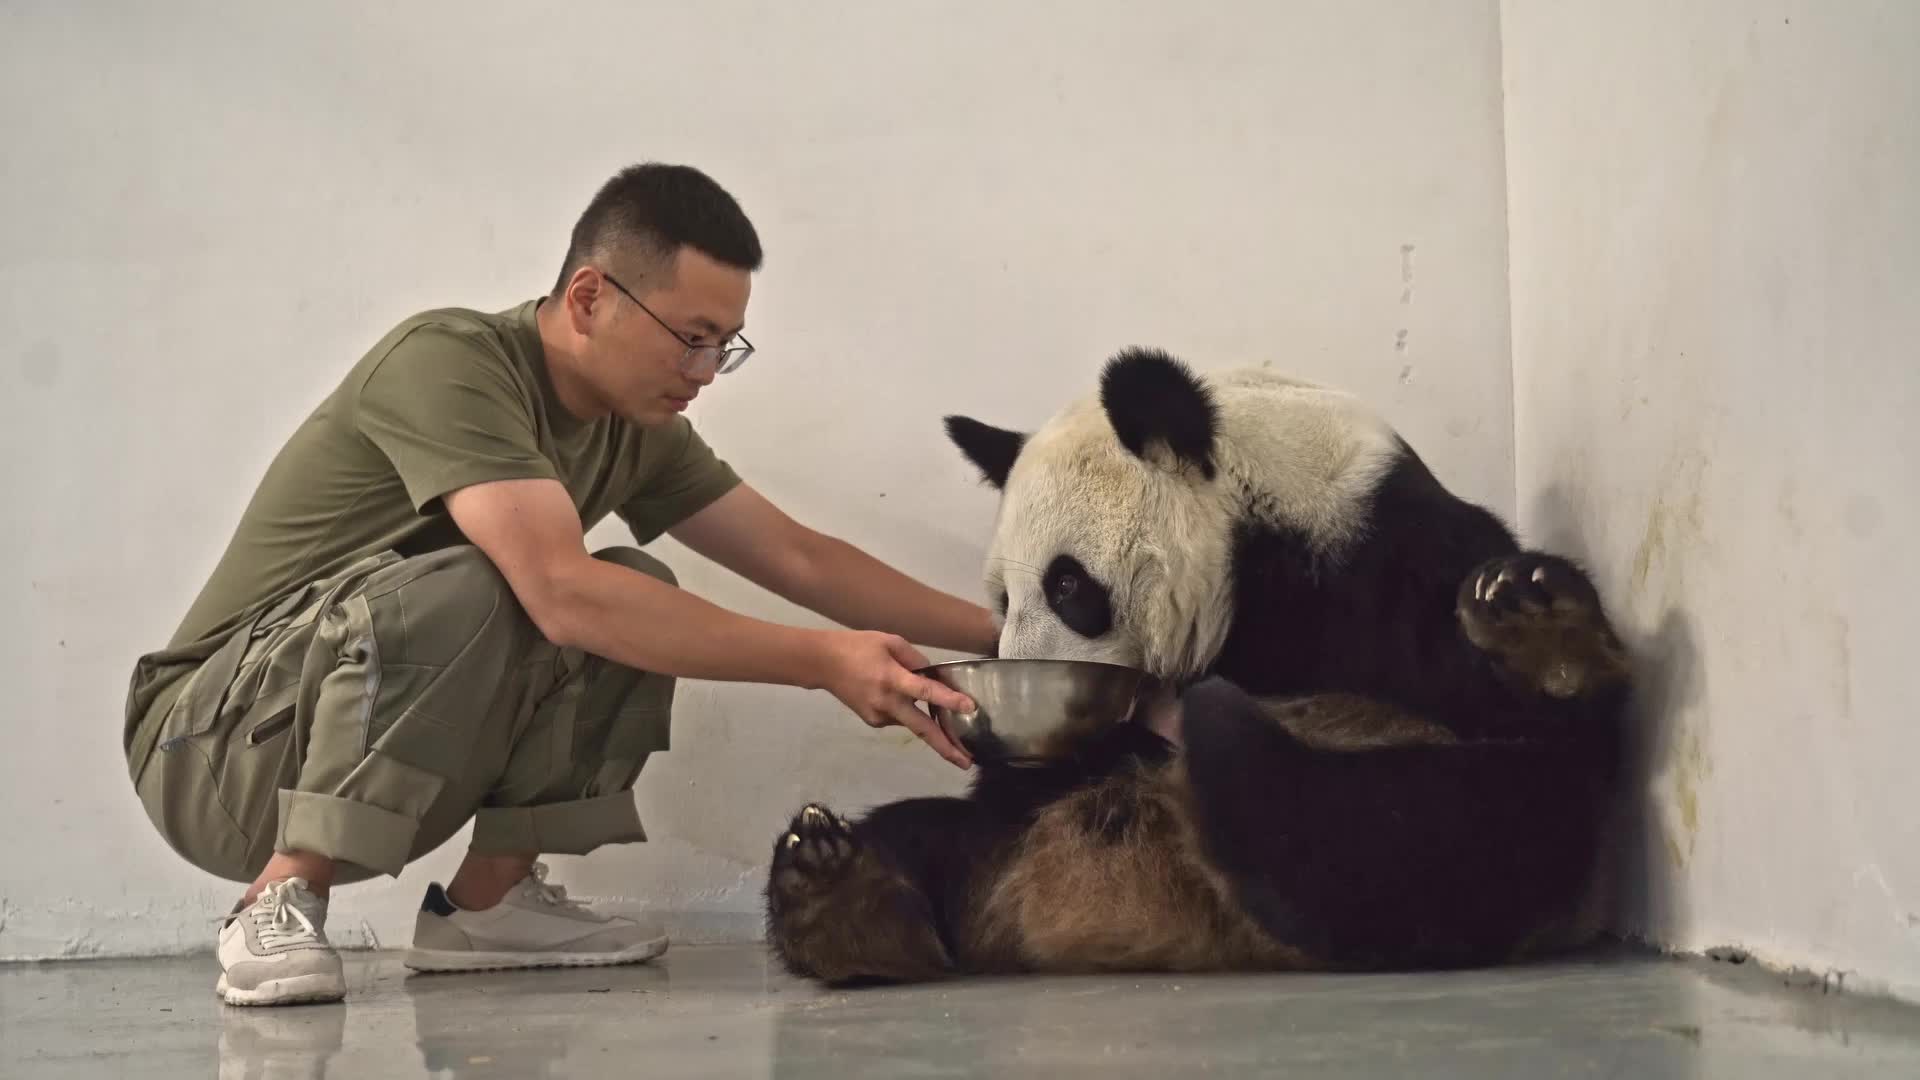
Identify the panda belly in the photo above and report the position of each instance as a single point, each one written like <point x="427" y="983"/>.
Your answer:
<point x="1112" y="878"/>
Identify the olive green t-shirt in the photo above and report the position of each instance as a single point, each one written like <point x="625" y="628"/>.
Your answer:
<point x="447" y="399"/>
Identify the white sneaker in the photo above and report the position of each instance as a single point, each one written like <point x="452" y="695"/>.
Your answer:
<point x="275" y="952"/>
<point x="533" y="926"/>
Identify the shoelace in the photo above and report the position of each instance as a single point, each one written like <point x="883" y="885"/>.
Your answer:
<point x="276" y="916"/>
<point x="554" y="895"/>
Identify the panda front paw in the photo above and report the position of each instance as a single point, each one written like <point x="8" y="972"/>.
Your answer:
<point x="1522" y="587"/>
<point x="814" y="853"/>
<point x="1539" y="617"/>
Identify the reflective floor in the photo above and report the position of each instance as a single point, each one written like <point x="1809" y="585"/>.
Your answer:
<point x="722" y="1011"/>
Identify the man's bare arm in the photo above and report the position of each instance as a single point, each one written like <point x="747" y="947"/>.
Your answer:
<point x="746" y="533"/>
<point x="531" y="531"/>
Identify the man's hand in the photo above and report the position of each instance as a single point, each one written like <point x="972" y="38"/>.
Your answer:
<point x="873" y="674"/>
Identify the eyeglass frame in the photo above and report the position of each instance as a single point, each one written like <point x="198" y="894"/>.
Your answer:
<point x="723" y="362"/>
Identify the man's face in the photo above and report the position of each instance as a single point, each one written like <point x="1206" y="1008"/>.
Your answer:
<point x="637" y="366"/>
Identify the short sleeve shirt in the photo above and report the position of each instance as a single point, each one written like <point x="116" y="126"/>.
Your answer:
<point x="447" y="399"/>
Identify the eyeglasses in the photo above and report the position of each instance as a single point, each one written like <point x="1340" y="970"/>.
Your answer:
<point x="725" y="358"/>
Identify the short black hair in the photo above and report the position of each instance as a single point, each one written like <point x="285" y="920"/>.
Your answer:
<point x="648" y="212"/>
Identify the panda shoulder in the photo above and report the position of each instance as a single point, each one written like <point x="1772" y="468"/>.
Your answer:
<point x="1261" y="396"/>
<point x="1257" y="379"/>
<point x="1273" y="424"/>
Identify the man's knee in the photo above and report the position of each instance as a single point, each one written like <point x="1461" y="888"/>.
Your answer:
<point x="468" y="565"/>
<point x="440" y="603"/>
<point x="635" y="559"/>
<point x="456" y="594"/>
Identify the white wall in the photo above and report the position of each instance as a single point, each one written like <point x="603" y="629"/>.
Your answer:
<point x="1715" y="217"/>
<point x="211" y="210"/>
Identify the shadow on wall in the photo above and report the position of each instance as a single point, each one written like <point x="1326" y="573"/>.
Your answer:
<point x="1665" y="756"/>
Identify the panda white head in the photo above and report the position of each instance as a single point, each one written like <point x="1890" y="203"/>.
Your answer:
<point x="1116" y="534"/>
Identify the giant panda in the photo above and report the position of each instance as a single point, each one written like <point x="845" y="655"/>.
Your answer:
<point x="1389" y="740"/>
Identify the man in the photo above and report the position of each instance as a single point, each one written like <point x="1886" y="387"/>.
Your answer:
<point x="406" y="631"/>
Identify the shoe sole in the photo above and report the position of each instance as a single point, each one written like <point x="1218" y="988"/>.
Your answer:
<point x="442" y="960"/>
<point x="298" y="990"/>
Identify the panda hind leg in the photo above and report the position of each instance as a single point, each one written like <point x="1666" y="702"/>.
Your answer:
<point x="1540" y="619"/>
<point x="1421" y="853"/>
<point x="839" y="910"/>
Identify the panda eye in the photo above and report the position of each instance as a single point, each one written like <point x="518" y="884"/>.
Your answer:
<point x="1076" y="598"/>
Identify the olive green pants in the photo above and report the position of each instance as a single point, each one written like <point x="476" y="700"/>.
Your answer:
<point x="370" y="716"/>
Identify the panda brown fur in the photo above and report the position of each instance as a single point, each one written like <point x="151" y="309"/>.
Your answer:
<point x="1394" y="733"/>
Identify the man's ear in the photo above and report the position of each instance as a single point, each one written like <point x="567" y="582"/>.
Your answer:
<point x="992" y="450"/>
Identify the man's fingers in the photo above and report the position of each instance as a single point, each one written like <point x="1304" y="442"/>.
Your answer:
<point x="920" y="688"/>
<point x="920" y="724"/>
<point x="904" y="652"/>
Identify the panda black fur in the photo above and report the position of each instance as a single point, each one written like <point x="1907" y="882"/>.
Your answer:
<point x="1394" y="739"/>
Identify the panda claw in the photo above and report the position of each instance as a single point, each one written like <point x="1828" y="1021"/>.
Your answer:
<point x="1540" y="615"/>
<point x="816" y="845"/>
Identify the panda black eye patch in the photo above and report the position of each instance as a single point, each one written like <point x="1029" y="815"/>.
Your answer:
<point x="1080" y="602"/>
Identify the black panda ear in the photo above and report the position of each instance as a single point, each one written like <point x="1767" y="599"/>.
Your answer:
<point x="1151" y="396"/>
<point x="992" y="450"/>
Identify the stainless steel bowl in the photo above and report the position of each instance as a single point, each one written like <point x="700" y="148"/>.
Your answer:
<point x="1032" y="711"/>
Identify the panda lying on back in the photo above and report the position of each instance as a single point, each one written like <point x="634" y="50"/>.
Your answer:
<point x="1393" y="747"/>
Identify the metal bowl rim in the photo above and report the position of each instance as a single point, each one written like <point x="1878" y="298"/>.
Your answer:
<point x="982" y="661"/>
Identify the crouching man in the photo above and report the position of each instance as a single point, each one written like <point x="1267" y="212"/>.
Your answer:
<point x="406" y="631"/>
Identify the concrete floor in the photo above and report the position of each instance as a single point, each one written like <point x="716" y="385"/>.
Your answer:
<point x="723" y="1011"/>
